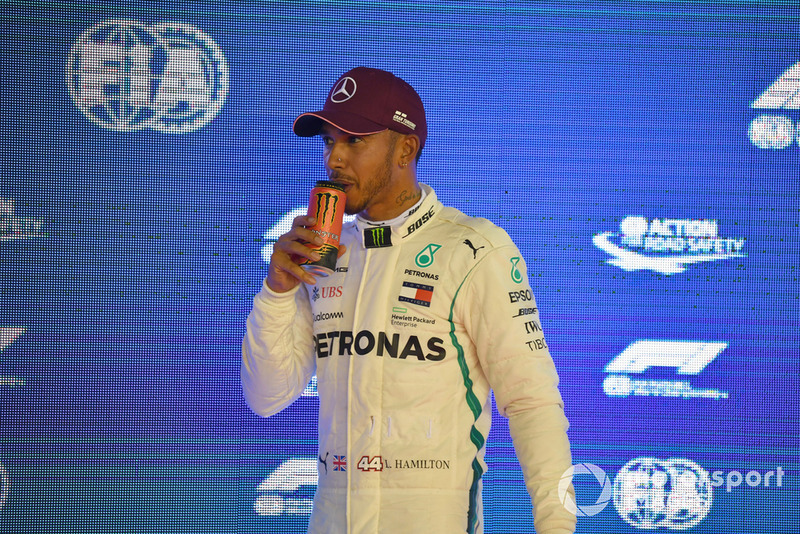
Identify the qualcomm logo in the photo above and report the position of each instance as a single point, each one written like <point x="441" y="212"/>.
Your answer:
<point x="666" y="246"/>
<point x="125" y="76"/>
<point x="13" y="227"/>
<point x="8" y="334"/>
<point x="277" y="489"/>
<point x="648" y="493"/>
<point x="686" y="357"/>
<point x="773" y="130"/>
<point x="281" y="227"/>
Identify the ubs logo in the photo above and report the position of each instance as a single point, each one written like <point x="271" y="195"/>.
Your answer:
<point x="326" y="292"/>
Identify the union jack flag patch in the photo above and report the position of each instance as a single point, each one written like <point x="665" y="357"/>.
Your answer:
<point x="339" y="463"/>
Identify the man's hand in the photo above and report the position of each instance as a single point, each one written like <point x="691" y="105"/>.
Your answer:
<point x="289" y="251"/>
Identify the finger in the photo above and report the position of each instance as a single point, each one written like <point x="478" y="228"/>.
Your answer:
<point x="296" y="250"/>
<point x="342" y="249"/>
<point x="284" y="266"/>
<point x="303" y="220"/>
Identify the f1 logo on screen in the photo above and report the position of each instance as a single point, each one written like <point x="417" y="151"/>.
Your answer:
<point x="276" y="489"/>
<point x="281" y="227"/>
<point x="686" y="357"/>
<point x="773" y="130"/>
<point x="126" y="76"/>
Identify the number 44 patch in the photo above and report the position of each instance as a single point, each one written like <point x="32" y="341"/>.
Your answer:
<point x="374" y="463"/>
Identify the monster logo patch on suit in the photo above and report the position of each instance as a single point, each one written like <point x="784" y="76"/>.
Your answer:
<point x="326" y="204"/>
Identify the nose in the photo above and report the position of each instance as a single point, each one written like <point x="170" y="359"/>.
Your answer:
<point x="335" y="157"/>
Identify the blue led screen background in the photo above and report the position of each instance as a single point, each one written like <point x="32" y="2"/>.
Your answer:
<point x="643" y="155"/>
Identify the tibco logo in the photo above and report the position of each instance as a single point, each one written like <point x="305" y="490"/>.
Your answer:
<point x="666" y="246"/>
<point x="777" y="131"/>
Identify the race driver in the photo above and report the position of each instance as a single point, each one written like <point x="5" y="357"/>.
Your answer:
<point x="427" y="312"/>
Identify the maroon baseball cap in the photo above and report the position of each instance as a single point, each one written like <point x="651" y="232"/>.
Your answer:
<point x="366" y="101"/>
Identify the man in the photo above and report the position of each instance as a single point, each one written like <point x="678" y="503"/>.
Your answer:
<point x="427" y="311"/>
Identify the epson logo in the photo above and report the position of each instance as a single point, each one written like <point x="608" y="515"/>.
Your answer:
<point x="520" y="296"/>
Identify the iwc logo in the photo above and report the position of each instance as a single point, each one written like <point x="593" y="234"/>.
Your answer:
<point x="126" y="76"/>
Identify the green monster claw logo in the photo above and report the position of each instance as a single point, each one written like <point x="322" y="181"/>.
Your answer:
<point x="516" y="276"/>
<point x="377" y="236"/>
<point x="425" y="256"/>
<point x="322" y="210"/>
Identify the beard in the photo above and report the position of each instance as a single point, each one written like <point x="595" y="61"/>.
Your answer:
<point x="361" y="195"/>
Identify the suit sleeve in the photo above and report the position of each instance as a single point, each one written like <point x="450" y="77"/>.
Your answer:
<point x="277" y="350"/>
<point x="502" y="319"/>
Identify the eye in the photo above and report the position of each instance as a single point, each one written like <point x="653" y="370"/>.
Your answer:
<point x="353" y="139"/>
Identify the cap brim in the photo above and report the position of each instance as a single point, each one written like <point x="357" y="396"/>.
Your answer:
<point x="309" y="124"/>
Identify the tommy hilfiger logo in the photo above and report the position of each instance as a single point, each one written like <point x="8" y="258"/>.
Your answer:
<point x="419" y="294"/>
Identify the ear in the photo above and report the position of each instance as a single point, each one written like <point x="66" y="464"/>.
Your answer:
<point x="409" y="146"/>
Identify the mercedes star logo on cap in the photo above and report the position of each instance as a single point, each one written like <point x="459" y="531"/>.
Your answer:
<point x="344" y="90"/>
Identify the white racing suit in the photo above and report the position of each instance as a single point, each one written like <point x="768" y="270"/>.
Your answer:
<point x="419" y="322"/>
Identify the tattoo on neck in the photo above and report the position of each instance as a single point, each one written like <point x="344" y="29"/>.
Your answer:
<point x="406" y="196"/>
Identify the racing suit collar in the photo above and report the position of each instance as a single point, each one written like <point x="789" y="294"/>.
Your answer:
<point x="407" y="224"/>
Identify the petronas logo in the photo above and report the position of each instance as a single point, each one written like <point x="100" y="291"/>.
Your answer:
<point x="516" y="276"/>
<point x="425" y="256"/>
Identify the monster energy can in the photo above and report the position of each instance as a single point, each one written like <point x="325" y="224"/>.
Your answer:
<point x="327" y="206"/>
